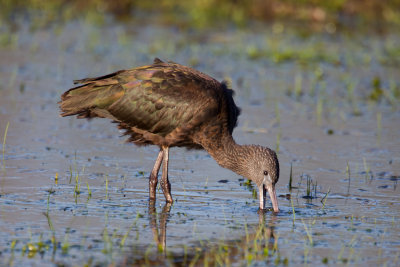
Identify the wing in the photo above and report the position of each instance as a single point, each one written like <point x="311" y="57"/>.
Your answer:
<point x="162" y="103"/>
<point x="166" y="103"/>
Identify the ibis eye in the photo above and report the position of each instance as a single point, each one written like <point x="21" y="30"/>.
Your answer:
<point x="265" y="173"/>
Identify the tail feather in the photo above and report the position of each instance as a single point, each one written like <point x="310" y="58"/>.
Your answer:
<point x="92" y="98"/>
<point x="86" y="80"/>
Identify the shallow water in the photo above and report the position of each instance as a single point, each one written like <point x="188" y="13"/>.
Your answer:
<point x="293" y="91"/>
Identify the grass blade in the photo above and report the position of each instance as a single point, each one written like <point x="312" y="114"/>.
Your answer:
<point x="4" y="144"/>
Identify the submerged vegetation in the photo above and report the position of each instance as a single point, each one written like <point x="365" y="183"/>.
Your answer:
<point x="4" y="146"/>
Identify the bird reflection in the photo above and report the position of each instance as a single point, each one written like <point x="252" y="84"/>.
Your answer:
<point x="265" y="231"/>
<point x="262" y="238"/>
<point x="159" y="231"/>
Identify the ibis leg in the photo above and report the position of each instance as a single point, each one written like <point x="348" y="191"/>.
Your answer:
<point x="153" y="176"/>
<point x="165" y="185"/>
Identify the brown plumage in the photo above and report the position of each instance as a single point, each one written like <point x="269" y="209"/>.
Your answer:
<point x="168" y="104"/>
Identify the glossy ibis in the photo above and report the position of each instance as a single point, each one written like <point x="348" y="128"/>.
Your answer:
<point x="168" y="104"/>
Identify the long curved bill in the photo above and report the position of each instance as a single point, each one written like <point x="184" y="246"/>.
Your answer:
<point x="272" y="195"/>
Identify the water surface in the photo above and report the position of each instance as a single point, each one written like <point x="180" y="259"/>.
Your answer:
<point x="72" y="192"/>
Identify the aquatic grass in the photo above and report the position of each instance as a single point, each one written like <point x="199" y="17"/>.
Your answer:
<point x="126" y="235"/>
<point x="377" y="91"/>
<point x="260" y="246"/>
<point x="253" y="52"/>
<point x="309" y="183"/>
<point x="106" y="186"/>
<point x="221" y="257"/>
<point x="391" y="54"/>
<point x="394" y="89"/>
<point x="293" y="211"/>
<point x="5" y="39"/>
<point x="308" y="232"/>
<point x="42" y="247"/>
<point x="367" y="170"/>
<point x="340" y="254"/>
<point x="310" y="187"/>
<point x="352" y="223"/>
<point x="195" y="259"/>
<point x="351" y="84"/>
<point x="65" y="246"/>
<point x="84" y="238"/>
<point x="89" y="191"/>
<point x="70" y="174"/>
<point x="108" y="242"/>
<point x="348" y="178"/>
<point x="318" y="76"/>
<point x="304" y="54"/>
<point x="350" y="247"/>
<point x="249" y="186"/>
<point x="74" y="172"/>
<point x="50" y="223"/>
<point x="290" y="177"/>
<point x="48" y="200"/>
<point x="32" y="247"/>
<point x="12" y="249"/>
<point x="254" y="194"/>
<point x="77" y="187"/>
<point x="319" y="110"/>
<point x="323" y="200"/>
<point x="4" y="146"/>
<point x="12" y="245"/>
<point x="185" y="254"/>
<point x="299" y="185"/>
<point x="298" y="86"/>
<point x="315" y="189"/>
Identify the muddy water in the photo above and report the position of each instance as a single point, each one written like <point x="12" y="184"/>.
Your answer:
<point x="346" y="145"/>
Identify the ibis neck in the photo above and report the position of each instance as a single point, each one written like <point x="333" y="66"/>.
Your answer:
<point x="228" y="154"/>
